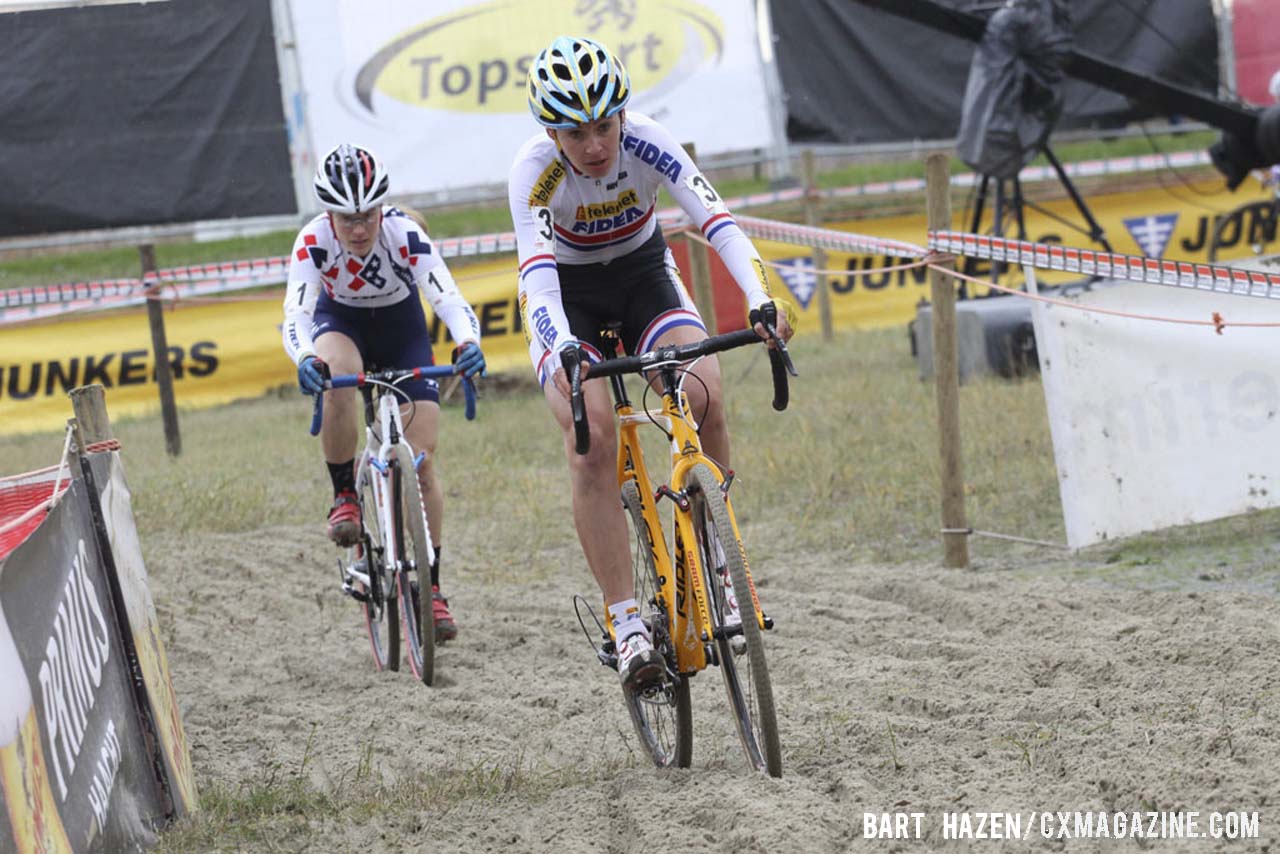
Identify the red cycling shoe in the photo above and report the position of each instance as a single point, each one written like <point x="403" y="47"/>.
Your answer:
<point x="446" y="627"/>
<point x="344" y="519"/>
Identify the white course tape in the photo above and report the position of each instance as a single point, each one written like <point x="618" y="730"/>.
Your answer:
<point x="1110" y="265"/>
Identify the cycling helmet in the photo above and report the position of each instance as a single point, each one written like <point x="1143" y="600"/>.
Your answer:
<point x="575" y="81"/>
<point x="350" y="180"/>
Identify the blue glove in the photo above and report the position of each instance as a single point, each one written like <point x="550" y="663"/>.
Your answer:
<point x="311" y="375"/>
<point x="468" y="360"/>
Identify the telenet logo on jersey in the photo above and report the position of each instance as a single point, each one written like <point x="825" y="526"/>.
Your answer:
<point x="475" y="59"/>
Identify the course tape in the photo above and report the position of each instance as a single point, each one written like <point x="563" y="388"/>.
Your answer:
<point x="1110" y="265"/>
<point x="200" y="280"/>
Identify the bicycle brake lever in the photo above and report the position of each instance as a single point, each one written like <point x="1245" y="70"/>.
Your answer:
<point x="782" y="348"/>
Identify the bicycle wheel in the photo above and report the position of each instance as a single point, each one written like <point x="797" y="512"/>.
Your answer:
<point x="381" y="611"/>
<point x="414" y="551"/>
<point x="746" y="673"/>
<point x="662" y="715"/>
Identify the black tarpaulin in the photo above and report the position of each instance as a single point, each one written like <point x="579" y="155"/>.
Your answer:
<point x="857" y="74"/>
<point x="125" y="115"/>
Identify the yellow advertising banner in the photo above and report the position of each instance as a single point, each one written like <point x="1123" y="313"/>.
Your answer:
<point x="220" y="350"/>
<point x="230" y="349"/>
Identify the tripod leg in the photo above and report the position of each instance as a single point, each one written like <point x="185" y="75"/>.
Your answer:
<point x="1096" y="234"/>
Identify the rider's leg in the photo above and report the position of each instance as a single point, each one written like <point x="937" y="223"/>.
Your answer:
<point x="602" y="530"/>
<point x="338" y="436"/>
<point x="706" y="398"/>
<point x="422" y="431"/>
<point x="597" y="510"/>
<point x="338" y="429"/>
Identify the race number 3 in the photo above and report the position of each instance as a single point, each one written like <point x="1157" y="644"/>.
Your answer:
<point x="706" y="194"/>
<point x="544" y="230"/>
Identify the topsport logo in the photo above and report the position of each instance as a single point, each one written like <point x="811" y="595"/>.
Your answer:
<point x="475" y="60"/>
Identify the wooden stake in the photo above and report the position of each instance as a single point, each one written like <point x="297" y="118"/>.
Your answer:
<point x="946" y="374"/>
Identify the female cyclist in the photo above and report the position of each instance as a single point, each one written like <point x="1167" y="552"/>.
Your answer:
<point x="583" y="194"/>
<point x="353" y="302"/>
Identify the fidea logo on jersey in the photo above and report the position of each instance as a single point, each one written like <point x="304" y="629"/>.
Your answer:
<point x="476" y="59"/>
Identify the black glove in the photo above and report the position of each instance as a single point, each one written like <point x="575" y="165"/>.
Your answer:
<point x="767" y="314"/>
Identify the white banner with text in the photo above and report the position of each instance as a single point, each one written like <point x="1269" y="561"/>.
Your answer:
<point x="437" y="87"/>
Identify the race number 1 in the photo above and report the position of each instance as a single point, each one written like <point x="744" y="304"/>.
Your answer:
<point x="544" y="233"/>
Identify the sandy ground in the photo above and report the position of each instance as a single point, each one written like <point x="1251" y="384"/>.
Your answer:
<point x="907" y="688"/>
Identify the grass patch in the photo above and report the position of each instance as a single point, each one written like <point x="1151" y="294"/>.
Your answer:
<point x="851" y="467"/>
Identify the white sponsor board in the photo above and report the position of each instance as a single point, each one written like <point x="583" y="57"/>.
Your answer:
<point x="1157" y="424"/>
<point x="437" y="87"/>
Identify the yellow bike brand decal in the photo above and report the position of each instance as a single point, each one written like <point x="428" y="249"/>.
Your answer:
<point x="475" y="59"/>
<point x="545" y="188"/>
<point x="608" y="210"/>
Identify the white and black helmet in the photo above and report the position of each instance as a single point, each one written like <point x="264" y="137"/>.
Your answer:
<point x="350" y="180"/>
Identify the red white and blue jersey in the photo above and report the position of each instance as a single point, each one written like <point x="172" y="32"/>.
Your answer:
<point x="401" y="261"/>
<point x="563" y="216"/>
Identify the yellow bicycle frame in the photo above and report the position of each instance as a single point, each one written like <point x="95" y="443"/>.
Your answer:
<point x="681" y="592"/>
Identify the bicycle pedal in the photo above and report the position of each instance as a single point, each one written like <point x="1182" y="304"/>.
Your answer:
<point x="608" y="655"/>
<point x="358" y="595"/>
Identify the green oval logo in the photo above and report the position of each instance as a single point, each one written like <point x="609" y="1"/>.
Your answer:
<point x="476" y="60"/>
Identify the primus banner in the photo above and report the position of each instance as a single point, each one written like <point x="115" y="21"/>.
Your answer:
<point x="438" y="89"/>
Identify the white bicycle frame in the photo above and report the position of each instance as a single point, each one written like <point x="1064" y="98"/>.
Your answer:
<point x="375" y="458"/>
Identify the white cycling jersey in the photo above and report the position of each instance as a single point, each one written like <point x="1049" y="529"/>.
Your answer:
<point x="563" y="216"/>
<point x="401" y="258"/>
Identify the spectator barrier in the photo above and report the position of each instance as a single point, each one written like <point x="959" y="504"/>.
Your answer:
<point x="93" y="757"/>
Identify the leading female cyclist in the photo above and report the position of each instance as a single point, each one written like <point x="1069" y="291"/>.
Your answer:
<point x="583" y="194"/>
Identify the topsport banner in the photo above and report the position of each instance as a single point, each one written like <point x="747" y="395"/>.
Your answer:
<point x="437" y="87"/>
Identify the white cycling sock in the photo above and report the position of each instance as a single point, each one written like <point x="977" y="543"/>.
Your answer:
<point x="624" y="617"/>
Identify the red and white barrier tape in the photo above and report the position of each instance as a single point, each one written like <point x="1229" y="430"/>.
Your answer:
<point x="1110" y="265"/>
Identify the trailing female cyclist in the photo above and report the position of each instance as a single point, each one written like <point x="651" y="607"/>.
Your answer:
<point x="352" y="302"/>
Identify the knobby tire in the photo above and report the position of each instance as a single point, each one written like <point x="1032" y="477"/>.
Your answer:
<point x="415" y="563"/>
<point x="381" y="611"/>
<point x="752" y="700"/>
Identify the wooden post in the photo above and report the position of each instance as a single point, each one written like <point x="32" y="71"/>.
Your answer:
<point x="946" y="374"/>
<point x="160" y="352"/>
<point x="813" y="217"/>
<point x="89" y="402"/>
<point x="700" y="268"/>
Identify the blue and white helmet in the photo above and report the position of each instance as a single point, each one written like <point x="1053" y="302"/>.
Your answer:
<point x="575" y="81"/>
<point x="350" y="180"/>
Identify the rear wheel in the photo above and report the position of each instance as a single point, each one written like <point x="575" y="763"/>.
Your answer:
<point x="369" y="557"/>
<point x="414" y="550"/>
<point x="662" y="715"/>
<point x="745" y="671"/>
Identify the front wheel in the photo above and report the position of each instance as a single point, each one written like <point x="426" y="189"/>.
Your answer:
<point x="739" y="642"/>
<point x="369" y="559"/>
<point x="413" y="551"/>
<point x="662" y="715"/>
